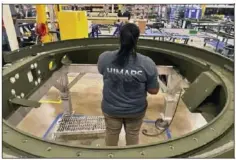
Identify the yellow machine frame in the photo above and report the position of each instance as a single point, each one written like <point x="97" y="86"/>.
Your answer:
<point x="42" y="18"/>
<point x="73" y="24"/>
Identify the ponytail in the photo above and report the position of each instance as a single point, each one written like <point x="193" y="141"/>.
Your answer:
<point x="128" y="41"/>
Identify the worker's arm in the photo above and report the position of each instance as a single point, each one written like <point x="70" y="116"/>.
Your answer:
<point x="101" y="62"/>
<point x="153" y="90"/>
<point x="152" y="84"/>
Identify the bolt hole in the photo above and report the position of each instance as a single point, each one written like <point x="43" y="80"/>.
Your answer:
<point x="49" y="149"/>
<point x="195" y="139"/>
<point x="110" y="155"/>
<point x="24" y="141"/>
<point x="171" y="147"/>
<point x="142" y="153"/>
<point x="78" y="154"/>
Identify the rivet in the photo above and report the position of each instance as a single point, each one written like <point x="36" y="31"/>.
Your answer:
<point x="49" y="149"/>
<point x="24" y="141"/>
<point x="142" y="153"/>
<point x="30" y="47"/>
<point x="13" y="92"/>
<point x="110" y="155"/>
<point x="17" y="76"/>
<point x="42" y="45"/>
<point x="171" y="147"/>
<point x="39" y="72"/>
<point x="98" y="145"/>
<point x="78" y="154"/>
<point x="18" y="50"/>
<point x="35" y="65"/>
<point x="18" y="97"/>
<point x="22" y="95"/>
<point x="32" y="66"/>
<point x="36" y="83"/>
<point x="206" y="90"/>
<point x="39" y="80"/>
<point x="195" y="139"/>
<point x="212" y="129"/>
<point x="12" y="80"/>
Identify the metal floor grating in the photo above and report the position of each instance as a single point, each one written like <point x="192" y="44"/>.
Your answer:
<point x="80" y="125"/>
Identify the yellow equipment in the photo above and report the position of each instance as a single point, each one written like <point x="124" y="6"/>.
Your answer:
<point x="73" y="24"/>
<point x="42" y="18"/>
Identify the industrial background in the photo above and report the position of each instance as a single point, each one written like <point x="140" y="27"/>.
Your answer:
<point x="52" y="91"/>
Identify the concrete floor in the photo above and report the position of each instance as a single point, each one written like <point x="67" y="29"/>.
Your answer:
<point x="86" y="99"/>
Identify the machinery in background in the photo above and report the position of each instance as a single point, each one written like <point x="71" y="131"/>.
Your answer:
<point x="220" y="10"/>
<point x="40" y="31"/>
<point x="78" y="27"/>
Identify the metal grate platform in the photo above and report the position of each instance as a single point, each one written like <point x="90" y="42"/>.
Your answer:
<point x="80" y="125"/>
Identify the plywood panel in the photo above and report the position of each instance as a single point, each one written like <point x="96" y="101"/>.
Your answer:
<point x="86" y="99"/>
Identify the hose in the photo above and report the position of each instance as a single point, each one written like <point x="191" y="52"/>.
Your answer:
<point x="145" y="132"/>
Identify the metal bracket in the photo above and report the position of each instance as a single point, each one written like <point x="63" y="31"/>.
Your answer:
<point x="58" y="86"/>
<point x="200" y="89"/>
<point x="65" y="94"/>
<point x="25" y="102"/>
<point x="75" y="80"/>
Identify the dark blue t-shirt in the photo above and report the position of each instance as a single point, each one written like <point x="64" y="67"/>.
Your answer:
<point x="125" y="89"/>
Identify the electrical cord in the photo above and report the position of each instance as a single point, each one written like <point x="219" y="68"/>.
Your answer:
<point x="145" y="132"/>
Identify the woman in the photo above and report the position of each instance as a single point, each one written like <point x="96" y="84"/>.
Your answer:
<point x="127" y="77"/>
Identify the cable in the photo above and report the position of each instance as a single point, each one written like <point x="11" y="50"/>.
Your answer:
<point x="145" y="132"/>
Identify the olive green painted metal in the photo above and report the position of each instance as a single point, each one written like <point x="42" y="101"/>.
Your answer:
<point x="25" y="102"/>
<point x="202" y="87"/>
<point x="190" y="62"/>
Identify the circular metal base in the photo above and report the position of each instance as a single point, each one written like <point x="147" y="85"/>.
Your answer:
<point x="190" y="61"/>
<point x="161" y="124"/>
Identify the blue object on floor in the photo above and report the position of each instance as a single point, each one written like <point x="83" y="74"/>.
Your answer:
<point x="168" y="133"/>
<point x="51" y="126"/>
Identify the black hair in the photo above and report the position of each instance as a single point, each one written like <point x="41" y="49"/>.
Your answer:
<point x="129" y="34"/>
